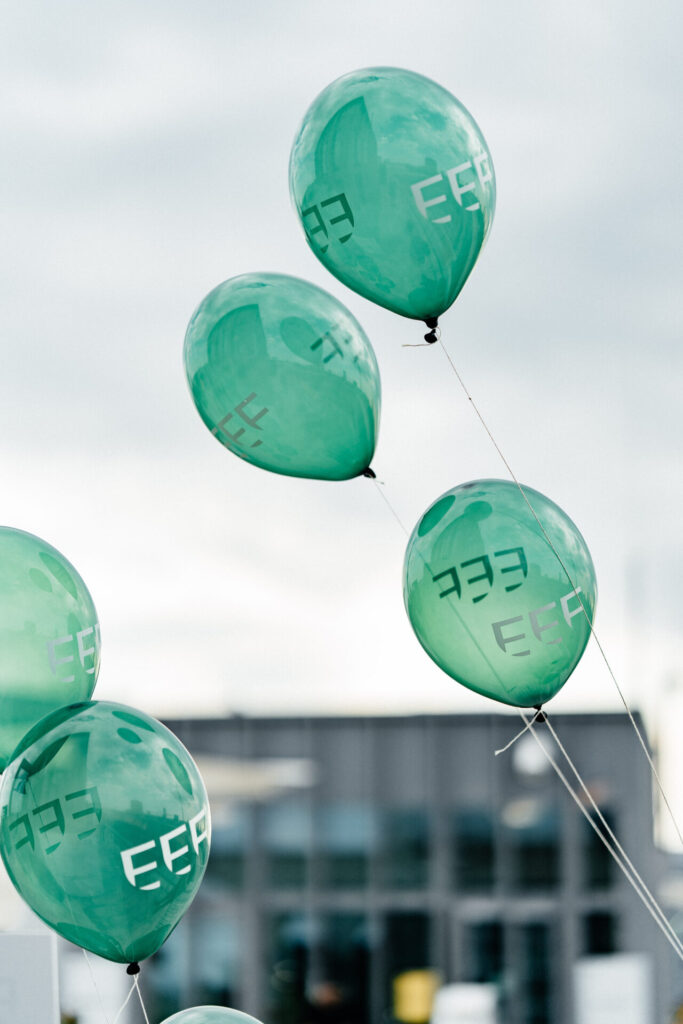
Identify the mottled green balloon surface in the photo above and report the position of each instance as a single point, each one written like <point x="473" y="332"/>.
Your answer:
<point x="284" y="376"/>
<point x="210" y="1015"/>
<point x="105" y="827"/>
<point x="394" y="186"/>
<point x="488" y="597"/>
<point x="49" y="635"/>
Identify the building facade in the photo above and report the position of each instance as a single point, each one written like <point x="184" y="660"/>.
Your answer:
<point x="359" y="863"/>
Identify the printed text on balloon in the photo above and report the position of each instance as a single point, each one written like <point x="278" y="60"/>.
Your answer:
<point x="169" y="853"/>
<point x="458" y="188"/>
<point x="77" y="640"/>
<point x="70" y="811"/>
<point x="487" y="574"/>
<point x="346" y="215"/>
<point x="537" y="628"/>
<point x="251" y="421"/>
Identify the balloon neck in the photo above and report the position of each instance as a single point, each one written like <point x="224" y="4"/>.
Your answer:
<point x="539" y="716"/>
<point x="369" y="473"/>
<point x="133" y="968"/>
<point x="432" y="323"/>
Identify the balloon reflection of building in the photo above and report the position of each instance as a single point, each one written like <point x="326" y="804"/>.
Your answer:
<point x="358" y="863"/>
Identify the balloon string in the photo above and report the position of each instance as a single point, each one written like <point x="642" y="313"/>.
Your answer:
<point x="638" y="732"/>
<point x="379" y="486"/>
<point x="94" y="983"/>
<point x="127" y="1000"/>
<point x="137" y="987"/>
<point x="610" y="832"/>
<point x="514" y="739"/>
<point x="631" y="875"/>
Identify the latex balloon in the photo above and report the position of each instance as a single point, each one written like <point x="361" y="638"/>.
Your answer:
<point x="488" y="597"/>
<point x="395" y="188"/>
<point x="284" y="377"/>
<point x="49" y="635"/>
<point x="105" y="827"/>
<point x="210" y="1015"/>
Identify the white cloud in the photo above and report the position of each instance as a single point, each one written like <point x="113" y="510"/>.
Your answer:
<point x="147" y="160"/>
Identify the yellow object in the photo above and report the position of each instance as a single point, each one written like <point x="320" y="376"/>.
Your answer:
<point x="414" y="993"/>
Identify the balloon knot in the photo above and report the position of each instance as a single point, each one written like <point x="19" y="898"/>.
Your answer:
<point x="133" y="968"/>
<point x="369" y="473"/>
<point x="540" y="715"/>
<point x="433" y="335"/>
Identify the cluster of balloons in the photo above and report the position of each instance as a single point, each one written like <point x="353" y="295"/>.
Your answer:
<point x="105" y="823"/>
<point x="395" y="189"/>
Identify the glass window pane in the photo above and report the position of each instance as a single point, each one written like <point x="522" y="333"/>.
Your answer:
<point x="409" y="982"/>
<point x="533" y="843"/>
<point x="405" y="848"/>
<point x="598" y="864"/>
<point x="341" y="993"/>
<point x="484" y="951"/>
<point x="286" y="831"/>
<point x="599" y="933"/>
<point x="228" y="843"/>
<point x="346" y="836"/>
<point x="536" y="973"/>
<point x="288" y="957"/>
<point x="473" y="863"/>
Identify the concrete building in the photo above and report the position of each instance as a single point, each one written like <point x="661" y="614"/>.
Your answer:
<point x="360" y="863"/>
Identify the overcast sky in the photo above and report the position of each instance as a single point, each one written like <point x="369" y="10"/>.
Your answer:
<point x="145" y="151"/>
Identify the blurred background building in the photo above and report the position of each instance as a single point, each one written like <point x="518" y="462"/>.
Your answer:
<point x="359" y="865"/>
<point x="376" y="870"/>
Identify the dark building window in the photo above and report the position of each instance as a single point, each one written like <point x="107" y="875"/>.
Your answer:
<point x="405" y="848"/>
<point x="473" y="863"/>
<point x="598" y="864"/>
<point x="533" y="842"/>
<point x="484" y="950"/>
<point x="342" y="991"/>
<point x="286" y="831"/>
<point x="289" y="951"/>
<point x="406" y="949"/>
<point x="599" y="933"/>
<point x="346" y="837"/>
<point x="536" y="976"/>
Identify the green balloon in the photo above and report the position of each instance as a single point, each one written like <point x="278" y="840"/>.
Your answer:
<point x="105" y="827"/>
<point x="49" y="635"/>
<point x="488" y="597"/>
<point x="395" y="188"/>
<point x="210" y="1015"/>
<point x="284" y="377"/>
